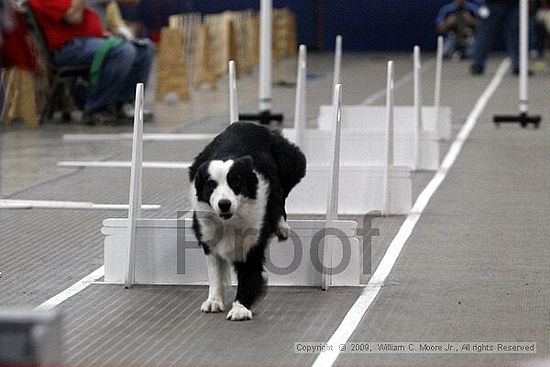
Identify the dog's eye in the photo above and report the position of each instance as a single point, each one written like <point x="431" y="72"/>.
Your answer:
<point x="211" y="184"/>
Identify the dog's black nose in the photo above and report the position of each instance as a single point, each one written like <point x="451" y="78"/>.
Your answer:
<point x="224" y="205"/>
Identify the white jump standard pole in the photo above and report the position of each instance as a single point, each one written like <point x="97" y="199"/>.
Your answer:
<point x="233" y="100"/>
<point x="134" y="211"/>
<point x="264" y="99"/>
<point x="523" y="118"/>
<point x="300" y="104"/>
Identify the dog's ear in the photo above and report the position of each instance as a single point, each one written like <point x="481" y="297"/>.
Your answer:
<point x="197" y="172"/>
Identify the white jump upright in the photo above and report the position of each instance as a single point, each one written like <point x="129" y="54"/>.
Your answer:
<point x="264" y="82"/>
<point x="333" y="183"/>
<point x="300" y="102"/>
<point x="233" y="98"/>
<point x="389" y="139"/>
<point x="136" y="175"/>
<point x="336" y="75"/>
<point x="438" y="71"/>
<point x="418" y="128"/>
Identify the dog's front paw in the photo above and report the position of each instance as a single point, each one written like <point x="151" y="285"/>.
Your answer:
<point x="283" y="230"/>
<point x="212" y="305"/>
<point x="239" y="313"/>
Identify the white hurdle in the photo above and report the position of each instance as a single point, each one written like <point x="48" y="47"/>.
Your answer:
<point x="164" y="251"/>
<point x="436" y="119"/>
<point x="414" y="146"/>
<point x="362" y="177"/>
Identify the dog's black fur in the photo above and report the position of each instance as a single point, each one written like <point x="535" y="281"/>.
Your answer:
<point x="253" y="148"/>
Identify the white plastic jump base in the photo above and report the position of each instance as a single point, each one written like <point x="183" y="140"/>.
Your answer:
<point x="366" y="148"/>
<point x="372" y="118"/>
<point x="162" y="258"/>
<point x="360" y="190"/>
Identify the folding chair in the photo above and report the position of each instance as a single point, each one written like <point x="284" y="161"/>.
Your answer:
<point x="61" y="78"/>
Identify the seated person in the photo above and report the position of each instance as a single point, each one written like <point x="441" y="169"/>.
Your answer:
<point x="457" y="22"/>
<point x="75" y="36"/>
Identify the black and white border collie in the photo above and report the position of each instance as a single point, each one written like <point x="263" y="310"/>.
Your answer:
<point x="239" y="184"/>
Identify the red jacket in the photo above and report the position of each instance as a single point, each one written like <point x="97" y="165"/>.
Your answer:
<point x="50" y="13"/>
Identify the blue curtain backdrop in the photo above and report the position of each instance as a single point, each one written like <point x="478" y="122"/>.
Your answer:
<point x="366" y="25"/>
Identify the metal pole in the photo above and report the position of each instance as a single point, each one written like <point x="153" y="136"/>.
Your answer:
<point x="523" y="55"/>
<point x="266" y="10"/>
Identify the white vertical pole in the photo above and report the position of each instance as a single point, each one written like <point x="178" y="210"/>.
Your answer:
<point x="417" y="104"/>
<point x="300" y="103"/>
<point x="438" y="71"/>
<point x="266" y="10"/>
<point x="337" y="63"/>
<point x="233" y="98"/>
<point x="523" y="55"/>
<point x="334" y="178"/>
<point x="389" y="139"/>
<point x="134" y="210"/>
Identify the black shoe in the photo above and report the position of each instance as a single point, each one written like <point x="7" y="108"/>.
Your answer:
<point x="476" y="69"/>
<point x="529" y="72"/>
<point x="98" y="117"/>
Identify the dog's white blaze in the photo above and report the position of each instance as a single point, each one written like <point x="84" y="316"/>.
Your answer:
<point x="218" y="171"/>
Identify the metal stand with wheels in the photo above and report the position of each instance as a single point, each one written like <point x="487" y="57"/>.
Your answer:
<point x="523" y="118"/>
<point x="264" y="116"/>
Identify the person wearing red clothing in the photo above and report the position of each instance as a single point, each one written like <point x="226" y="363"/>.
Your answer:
<point x="75" y="36"/>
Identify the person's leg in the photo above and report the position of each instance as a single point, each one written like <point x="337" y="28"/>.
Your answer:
<point x="139" y="72"/>
<point x="485" y="36"/>
<point x="80" y="51"/>
<point x="511" y="32"/>
<point x="449" y="44"/>
<point x="112" y="81"/>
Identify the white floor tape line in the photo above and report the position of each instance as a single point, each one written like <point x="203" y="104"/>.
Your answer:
<point x="146" y="137"/>
<point x="125" y="164"/>
<point x="56" y="204"/>
<point x="362" y="304"/>
<point x="73" y="289"/>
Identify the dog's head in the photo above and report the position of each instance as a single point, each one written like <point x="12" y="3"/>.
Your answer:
<point x="225" y="185"/>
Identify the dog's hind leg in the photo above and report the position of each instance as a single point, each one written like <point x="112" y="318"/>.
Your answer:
<point x="283" y="230"/>
<point x="216" y="291"/>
